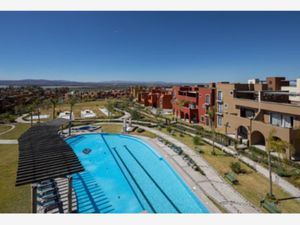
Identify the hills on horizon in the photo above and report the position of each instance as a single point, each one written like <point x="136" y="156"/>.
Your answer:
<point x="64" y="83"/>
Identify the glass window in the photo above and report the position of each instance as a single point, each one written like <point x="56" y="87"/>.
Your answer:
<point x="276" y="119"/>
<point x="207" y="99"/>
<point x="220" y="121"/>
<point x="220" y="108"/>
<point x="220" y="95"/>
<point x="287" y="121"/>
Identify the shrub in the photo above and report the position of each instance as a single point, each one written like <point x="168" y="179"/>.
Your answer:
<point x="140" y="130"/>
<point x="237" y="168"/>
<point x="196" y="140"/>
<point x="169" y="129"/>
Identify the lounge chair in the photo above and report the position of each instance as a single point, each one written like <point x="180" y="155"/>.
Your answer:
<point x="51" y="206"/>
<point x="51" y="195"/>
<point x="46" y="202"/>
<point x="49" y="192"/>
<point x="45" y="186"/>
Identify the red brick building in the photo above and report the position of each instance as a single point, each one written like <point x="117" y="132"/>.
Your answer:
<point x="191" y="103"/>
<point x="156" y="98"/>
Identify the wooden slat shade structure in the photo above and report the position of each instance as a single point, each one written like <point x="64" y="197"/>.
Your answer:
<point x="43" y="154"/>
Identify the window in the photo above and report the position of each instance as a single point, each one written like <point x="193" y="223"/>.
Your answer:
<point x="207" y="99"/>
<point x="220" y="96"/>
<point x="287" y="121"/>
<point x="276" y="119"/>
<point x="202" y="118"/>
<point x="280" y="120"/>
<point x="220" y="108"/>
<point x="226" y="106"/>
<point x="220" y="121"/>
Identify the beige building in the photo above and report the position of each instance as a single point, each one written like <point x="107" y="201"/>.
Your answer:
<point x="294" y="91"/>
<point x="249" y="111"/>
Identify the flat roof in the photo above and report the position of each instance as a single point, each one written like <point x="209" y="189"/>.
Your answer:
<point x="43" y="154"/>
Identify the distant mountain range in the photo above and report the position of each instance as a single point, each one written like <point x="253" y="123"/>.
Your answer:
<point x="65" y="83"/>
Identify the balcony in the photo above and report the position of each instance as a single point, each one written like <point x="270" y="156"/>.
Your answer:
<point x="220" y="100"/>
<point x="286" y="108"/>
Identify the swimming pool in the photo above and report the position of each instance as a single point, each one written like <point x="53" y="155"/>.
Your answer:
<point x="123" y="174"/>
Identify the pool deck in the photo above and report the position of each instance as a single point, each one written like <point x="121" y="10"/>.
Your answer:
<point x="186" y="173"/>
<point x="212" y="185"/>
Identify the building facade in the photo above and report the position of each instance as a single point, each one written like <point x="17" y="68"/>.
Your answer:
<point x="250" y="111"/>
<point x="192" y="103"/>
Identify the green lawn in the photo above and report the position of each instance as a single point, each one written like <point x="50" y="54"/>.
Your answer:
<point x="78" y="107"/>
<point x="252" y="185"/>
<point x="15" y="133"/>
<point x="117" y="128"/>
<point x="12" y="199"/>
<point x="111" y="128"/>
<point x="4" y="127"/>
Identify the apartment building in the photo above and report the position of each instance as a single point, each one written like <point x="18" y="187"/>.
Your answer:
<point x="192" y="103"/>
<point x="249" y="111"/>
<point x="294" y="91"/>
<point x="156" y="98"/>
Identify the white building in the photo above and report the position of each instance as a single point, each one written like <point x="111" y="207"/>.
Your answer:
<point x="66" y="115"/>
<point x="87" y="114"/>
<point x="293" y="90"/>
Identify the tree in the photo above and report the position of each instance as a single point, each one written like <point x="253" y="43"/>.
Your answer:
<point x="37" y="104"/>
<point x="274" y="144"/>
<point x="135" y="115"/>
<point x="196" y="140"/>
<point x="211" y="115"/>
<point x="54" y="102"/>
<point x="31" y="109"/>
<point x="110" y="107"/>
<point x="72" y="102"/>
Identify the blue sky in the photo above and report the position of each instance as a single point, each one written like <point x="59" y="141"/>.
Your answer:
<point x="149" y="46"/>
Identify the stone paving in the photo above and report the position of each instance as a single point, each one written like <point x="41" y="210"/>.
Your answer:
<point x="212" y="185"/>
<point x="8" y="142"/>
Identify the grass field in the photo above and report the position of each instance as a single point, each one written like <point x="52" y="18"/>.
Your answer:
<point x="15" y="133"/>
<point x="4" y="127"/>
<point x="252" y="185"/>
<point x="111" y="128"/>
<point x="78" y="107"/>
<point x="12" y="199"/>
<point x="117" y="128"/>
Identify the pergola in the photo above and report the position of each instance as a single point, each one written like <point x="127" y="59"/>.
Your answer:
<point x="43" y="155"/>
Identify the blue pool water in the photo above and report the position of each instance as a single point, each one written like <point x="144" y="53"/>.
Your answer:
<point x="125" y="175"/>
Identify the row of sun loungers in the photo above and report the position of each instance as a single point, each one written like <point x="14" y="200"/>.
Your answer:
<point x="179" y="151"/>
<point x="191" y="162"/>
<point x="52" y="196"/>
<point x="175" y="148"/>
<point x="48" y="197"/>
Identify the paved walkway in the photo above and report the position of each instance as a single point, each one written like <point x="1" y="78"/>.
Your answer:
<point x="8" y="142"/>
<point x="21" y="120"/>
<point x="10" y="129"/>
<point x="213" y="185"/>
<point x="190" y="176"/>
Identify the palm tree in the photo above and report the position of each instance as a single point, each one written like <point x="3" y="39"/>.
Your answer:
<point x="31" y="109"/>
<point x="37" y="105"/>
<point x="54" y="102"/>
<point x="72" y="102"/>
<point x="211" y="115"/>
<point x="279" y="146"/>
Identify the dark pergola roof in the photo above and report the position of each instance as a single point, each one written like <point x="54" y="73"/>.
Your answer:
<point x="43" y="154"/>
